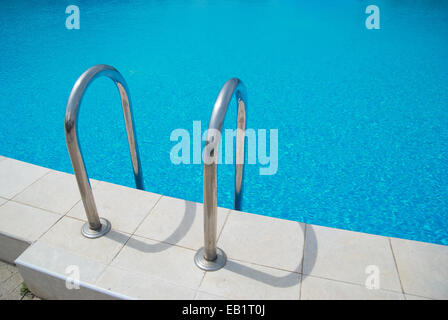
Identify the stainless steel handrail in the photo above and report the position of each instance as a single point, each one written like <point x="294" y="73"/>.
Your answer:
<point x="210" y="257"/>
<point x="96" y="227"/>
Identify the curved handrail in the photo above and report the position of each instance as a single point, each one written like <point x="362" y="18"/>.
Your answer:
<point x="210" y="257"/>
<point x="97" y="227"/>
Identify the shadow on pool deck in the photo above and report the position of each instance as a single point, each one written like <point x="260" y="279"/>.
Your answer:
<point x="179" y="233"/>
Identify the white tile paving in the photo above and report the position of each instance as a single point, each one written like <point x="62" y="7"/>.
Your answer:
<point x="60" y="261"/>
<point x="25" y="222"/>
<point x="57" y="192"/>
<point x="141" y="286"/>
<point x="263" y="240"/>
<point x="423" y="268"/>
<point x="17" y="175"/>
<point x="178" y="222"/>
<point x="124" y="207"/>
<point x="3" y="201"/>
<point x="411" y="297"/>
<point x="54" y="286"/>
<point x="324" y="289"/>
<point x="149" y="253"/>
<point x="345" y="256"/>
<point x="241" y="280"/>
<point x="207" y="296"/>
<point x="66" y="235"/>
<point x="162" y="260"/>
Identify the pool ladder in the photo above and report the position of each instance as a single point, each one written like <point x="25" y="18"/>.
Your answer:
<point x="209" y="257"/>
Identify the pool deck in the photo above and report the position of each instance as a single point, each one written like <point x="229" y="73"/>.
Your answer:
<point x="150" y="251"/>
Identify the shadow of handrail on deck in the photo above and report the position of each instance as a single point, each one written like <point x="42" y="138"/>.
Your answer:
<point x="289" y="280"/>
<point x="161" y="245"/>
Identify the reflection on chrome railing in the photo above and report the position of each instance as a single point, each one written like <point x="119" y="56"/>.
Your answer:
<point x="97" y="227"/>
<point x="210" y="257"/>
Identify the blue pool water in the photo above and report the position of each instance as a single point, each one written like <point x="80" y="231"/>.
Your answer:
<point x="362" y="115"/>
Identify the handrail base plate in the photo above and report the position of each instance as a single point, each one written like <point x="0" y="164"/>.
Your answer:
<point x="91" y="234"/>
<point x="207" y="265"/>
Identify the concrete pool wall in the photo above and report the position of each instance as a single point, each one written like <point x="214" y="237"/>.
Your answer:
<point x="149" y="252"/>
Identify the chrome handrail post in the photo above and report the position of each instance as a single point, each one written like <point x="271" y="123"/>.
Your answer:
<point x="210" y="257"/>
<point x="96" y="227"/>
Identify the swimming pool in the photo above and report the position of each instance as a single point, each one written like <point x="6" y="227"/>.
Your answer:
<point x="361" y="114"/>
